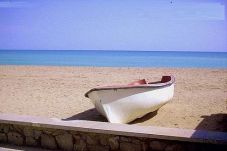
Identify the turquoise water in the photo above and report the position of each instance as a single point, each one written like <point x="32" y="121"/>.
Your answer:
<point x="114" y="58"/>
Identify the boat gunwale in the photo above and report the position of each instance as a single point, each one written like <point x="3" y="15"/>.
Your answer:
<point x="151" y="85"/>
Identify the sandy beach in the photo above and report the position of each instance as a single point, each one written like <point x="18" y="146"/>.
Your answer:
<point x="200" y="99"/>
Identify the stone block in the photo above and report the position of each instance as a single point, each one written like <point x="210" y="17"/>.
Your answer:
<point x="4" y="128"/>
<point x="59" y="132"/>
<point x="80" y="145"/>
<point x="126" y="146"/>
<point x="37" y="134"/>
<point x="92" y="140"/>
<point x="157" y="145"/>
<point x="97" y="148"/>
<point x="135" y="141"/>
<point x="84" y="135"/>
<point x="103" y="139"/>
<point x="174" y="147"/>
<point x="194" y="146"/>
<point x="15" y="138"/>
<point x="3" y="138"/>
<point x="28" y="131"/>
<point x="114" y="143"/>
<point x="11" y="128"/>
<point x="18" y="128"/>
<point x="30" y="141"/>
<point x="76" y="137"/>
<point x="144" y="146"/>
<point x="125" y="139"/>
<point x="48" y="141"/>
<point x="65" y="142"/>
<point x="73" y="132"/>
<point x="49" y="131"/>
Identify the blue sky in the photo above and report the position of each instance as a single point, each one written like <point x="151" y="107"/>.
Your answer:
<point x="170" y="25"/>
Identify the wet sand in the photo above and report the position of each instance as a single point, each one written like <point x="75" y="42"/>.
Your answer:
<point x="200" y="99"/>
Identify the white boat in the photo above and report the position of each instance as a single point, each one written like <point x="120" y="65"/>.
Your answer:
<point x="123" y="104"/>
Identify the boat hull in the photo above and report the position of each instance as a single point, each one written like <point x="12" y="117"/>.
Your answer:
<point x="126" y="105"/>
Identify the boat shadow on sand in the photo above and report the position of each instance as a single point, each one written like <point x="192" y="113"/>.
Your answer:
<point x="94" y="115"/>
<point x="90" y="115"/>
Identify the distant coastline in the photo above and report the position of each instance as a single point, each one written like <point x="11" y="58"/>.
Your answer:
<point x="125" y="50"/>
<point x="112" y="58"/>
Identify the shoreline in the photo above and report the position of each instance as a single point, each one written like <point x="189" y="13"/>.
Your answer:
<point x="199" y="101"/>
<point x="73" y="66"/>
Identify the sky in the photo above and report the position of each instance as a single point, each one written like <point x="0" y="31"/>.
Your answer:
<point x="155" y="25"/>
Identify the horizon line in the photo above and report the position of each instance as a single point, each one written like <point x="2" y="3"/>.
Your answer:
<point x="108" y="50"/>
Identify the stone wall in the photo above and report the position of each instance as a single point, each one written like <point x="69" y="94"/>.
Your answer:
<point x="52" y="138"/>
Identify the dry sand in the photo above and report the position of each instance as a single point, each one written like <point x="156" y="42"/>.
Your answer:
<point x="200" y="99"/>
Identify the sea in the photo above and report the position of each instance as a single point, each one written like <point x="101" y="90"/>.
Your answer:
<point x="109" y="58"/>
